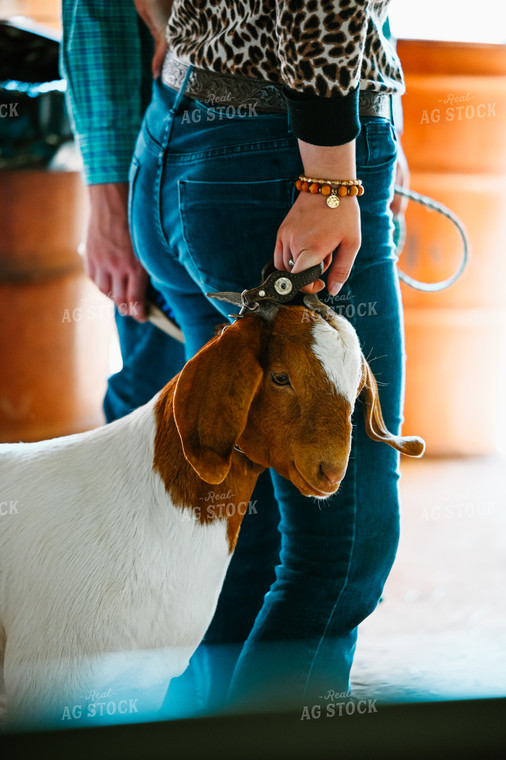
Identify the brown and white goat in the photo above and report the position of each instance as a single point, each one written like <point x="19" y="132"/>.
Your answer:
<point x="116" y="547"/>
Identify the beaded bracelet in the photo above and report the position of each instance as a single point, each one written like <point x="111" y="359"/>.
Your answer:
<point x="334" y="189"/>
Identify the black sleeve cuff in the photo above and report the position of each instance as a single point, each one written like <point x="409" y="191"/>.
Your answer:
<point x="323" y="121"/>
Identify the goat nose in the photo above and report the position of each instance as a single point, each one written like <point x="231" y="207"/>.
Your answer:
<point x="333" y="473"/>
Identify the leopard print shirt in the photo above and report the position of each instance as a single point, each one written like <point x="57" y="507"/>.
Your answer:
<point x="322" y="48"/>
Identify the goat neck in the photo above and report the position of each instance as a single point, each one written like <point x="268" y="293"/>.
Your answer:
<point x="228" y="500"/>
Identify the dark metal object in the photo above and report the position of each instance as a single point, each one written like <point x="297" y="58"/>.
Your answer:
<point x="277" y="287"/>
<point x="280" y="286"/>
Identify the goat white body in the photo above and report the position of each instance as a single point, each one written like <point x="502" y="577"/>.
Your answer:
<point x="95" y="559"/>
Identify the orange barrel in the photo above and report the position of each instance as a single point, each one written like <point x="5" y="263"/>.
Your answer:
<point x="455" y="144"/>
<point x="55" y="325"/>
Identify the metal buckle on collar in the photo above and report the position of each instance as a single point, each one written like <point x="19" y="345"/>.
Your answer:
<point x="278" y="286"/>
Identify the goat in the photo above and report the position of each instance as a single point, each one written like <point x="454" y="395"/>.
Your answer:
<point x="117" y="545"/>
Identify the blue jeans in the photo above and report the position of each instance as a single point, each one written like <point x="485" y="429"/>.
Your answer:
<point x="150" y="359"/>
<point x="208" y="194"/>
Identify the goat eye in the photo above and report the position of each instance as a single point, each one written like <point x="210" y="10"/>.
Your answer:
<point x="280" y="378"/>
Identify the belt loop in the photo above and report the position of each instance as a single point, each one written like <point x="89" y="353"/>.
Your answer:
<point x="182" y="89"/>
<point x="397" y="113"/>
<point x="172" y="112"/>
<point x="289" y="122"/>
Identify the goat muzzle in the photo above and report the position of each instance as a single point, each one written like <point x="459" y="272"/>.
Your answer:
<point x="334" y="474"/>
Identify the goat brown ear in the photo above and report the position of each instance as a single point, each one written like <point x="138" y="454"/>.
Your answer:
<point x="213" y="396"/>
<point x="375" y="427"/>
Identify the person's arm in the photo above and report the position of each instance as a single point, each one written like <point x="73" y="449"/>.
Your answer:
<point x="155" y="14"/>
<point x="103" y="59"/>
<point x="312" y="231"/>
<point x="322" y="89"/>
<point x="109" y="257"/>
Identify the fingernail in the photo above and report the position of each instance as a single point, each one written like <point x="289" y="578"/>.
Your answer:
<point x="336" y="287"/>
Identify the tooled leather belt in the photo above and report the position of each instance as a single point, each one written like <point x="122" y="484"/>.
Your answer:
<point x="227" y="90"/>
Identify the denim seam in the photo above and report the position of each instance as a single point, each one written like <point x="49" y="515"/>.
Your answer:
<point x="236" y="182"/>
<point x="369" y="166"/>
<point x="229" y="150"/>
<point x="343" y="587"/>
<point x="132" y="177"/>
<point x="376" y="169"/>
<point x="157" y="201"/>
<point x="167" y="129"/>
<point x="371" y="265"/>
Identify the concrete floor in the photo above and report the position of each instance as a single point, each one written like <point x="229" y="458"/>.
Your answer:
<point x="440" y="631"/>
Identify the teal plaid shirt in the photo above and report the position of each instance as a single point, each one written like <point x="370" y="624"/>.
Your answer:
<point x="105" y="57"/>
